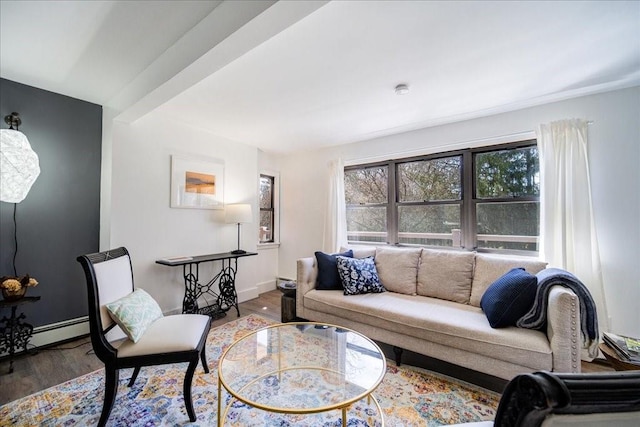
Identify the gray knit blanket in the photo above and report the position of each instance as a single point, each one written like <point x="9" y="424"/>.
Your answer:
<point x="536" y="318"/>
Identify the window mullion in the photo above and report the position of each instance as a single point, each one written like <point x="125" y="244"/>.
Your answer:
<point x="468" y="207"/>
<point x="392" y="206"/>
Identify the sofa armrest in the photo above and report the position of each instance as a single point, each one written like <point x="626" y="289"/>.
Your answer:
<point x="306" y="275"/>
<point x="563" y="329"/>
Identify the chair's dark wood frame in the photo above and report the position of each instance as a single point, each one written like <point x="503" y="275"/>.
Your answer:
<point x="529" y="398"/>
<point x="108" y="354"/>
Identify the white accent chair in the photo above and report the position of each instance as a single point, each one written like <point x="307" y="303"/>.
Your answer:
<point x="169" y="339"/>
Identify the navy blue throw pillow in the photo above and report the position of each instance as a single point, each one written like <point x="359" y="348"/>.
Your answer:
<point x="509" y="298"/>
<point x="328" y="277"/>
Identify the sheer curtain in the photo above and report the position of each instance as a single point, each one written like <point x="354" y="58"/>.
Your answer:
<point x="335" y="220"/>
<point x="567" y="230"/>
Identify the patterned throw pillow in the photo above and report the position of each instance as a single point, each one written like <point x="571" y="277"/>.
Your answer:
<point x="134" y="313"/>
<point x="359" y="275"/>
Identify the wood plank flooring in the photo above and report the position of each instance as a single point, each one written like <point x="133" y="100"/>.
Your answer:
<point x="60" y="363"/>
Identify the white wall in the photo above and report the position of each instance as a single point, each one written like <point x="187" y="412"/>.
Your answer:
<point x="614" y="144"/>
<point x="140" y="216"/>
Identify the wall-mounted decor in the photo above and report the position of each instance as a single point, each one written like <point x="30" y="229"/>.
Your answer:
<point x="197" y="183"/>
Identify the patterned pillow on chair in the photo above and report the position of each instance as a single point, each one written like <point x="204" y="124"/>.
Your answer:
<point x="134" y="313"/>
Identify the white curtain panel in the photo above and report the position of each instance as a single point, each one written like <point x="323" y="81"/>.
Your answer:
<point x="335" y="220"/>
<point x="567" y="230"/>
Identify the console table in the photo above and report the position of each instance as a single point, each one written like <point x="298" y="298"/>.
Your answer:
<point x="225" y="280"/>
<point x="14" y="333"/>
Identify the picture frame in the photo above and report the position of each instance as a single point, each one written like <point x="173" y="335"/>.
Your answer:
<point x="197" y="182"/>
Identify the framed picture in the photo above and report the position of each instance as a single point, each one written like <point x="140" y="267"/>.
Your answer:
<point x="197" y="183"/>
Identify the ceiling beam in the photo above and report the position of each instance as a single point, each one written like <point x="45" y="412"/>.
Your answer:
<point x="231" y="30"/>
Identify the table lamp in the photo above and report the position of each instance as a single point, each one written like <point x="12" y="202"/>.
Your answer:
<point x="237" y="214"/>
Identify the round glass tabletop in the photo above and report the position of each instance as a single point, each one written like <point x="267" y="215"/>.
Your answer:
<point x="302" y="368"/>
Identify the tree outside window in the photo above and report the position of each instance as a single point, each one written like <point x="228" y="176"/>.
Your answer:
<point x="267" y="212"/>
<point x="482" y="198"/>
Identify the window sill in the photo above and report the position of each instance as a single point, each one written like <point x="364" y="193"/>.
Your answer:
<point x="268" y="246"/>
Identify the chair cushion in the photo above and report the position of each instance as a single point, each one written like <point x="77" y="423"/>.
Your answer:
<point x="181" y="332"/>
<point x="328" y="277"/>
<point x="398" y="268"/>
<point x="359" y="276"/>
<point x="134" y="313"/>
<point x="509" y="298"/>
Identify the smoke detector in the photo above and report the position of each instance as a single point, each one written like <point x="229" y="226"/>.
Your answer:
<point x="402" y="89"/>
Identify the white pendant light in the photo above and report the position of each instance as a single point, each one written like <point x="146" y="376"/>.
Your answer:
<point x="19" y="164"/>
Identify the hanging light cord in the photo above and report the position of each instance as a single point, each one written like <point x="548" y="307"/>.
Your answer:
<point x="15" y="239"/>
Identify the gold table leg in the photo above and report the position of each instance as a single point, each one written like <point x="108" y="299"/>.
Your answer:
<point x="219" y="400"/>
<point x="344" y="417"/>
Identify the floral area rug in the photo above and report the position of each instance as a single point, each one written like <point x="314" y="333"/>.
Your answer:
<point x="408" y="397"/>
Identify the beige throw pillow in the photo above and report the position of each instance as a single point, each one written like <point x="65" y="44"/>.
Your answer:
<point x="446" y="274"/>
<point x="398" y="268"/>
<point x="490" y="268"/>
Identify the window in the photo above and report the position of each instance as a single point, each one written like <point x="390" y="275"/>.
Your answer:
<point x="267" y="211"/>
<point x="483" y="198"/>
<point x="507" y="199"/>
<point x="366" y="193"/>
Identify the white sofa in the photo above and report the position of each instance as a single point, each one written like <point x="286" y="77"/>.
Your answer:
<point x="432" y="307"/>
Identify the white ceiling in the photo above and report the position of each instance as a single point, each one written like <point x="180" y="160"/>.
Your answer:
<point x="293" y="75"/>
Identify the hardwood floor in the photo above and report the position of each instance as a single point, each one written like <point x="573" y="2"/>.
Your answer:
<point x="60" y="363"/>
<point x="54" y="365"/>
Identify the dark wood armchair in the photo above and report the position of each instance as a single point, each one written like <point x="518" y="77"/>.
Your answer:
<point x="579" y="399"/>
<point x="169" y="339"/>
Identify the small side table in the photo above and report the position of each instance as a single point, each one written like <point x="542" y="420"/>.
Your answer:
<point x="14" y="332"/>
<point x="288" y="301"/>
<point x="617" y="363"/>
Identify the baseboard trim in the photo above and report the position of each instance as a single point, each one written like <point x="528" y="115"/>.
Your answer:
<point x="248" y="294"/>
<point x="267" y="286"/>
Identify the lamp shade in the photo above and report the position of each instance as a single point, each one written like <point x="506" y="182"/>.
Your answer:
<point x="19" y="166"/>
<point x="235" y="214"/>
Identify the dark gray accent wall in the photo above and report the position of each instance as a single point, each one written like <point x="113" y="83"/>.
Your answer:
<point x="60" y="217"/>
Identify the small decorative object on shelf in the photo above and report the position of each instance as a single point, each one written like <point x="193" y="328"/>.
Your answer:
<point x="14" y="288"/>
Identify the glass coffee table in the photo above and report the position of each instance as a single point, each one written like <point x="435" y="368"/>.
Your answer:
<point x="301" y="368"/>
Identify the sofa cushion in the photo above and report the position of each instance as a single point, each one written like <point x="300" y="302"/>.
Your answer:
<point x="460" y="326"/>
<point x="360" y="251"/>
<point x="490" y="267"/>
<point x="509" y="298"/>
<point x="446" y="274"/>
<point x="398" y="268"/>
<point x="328" y="277"/>
<point x="359" y="275"/>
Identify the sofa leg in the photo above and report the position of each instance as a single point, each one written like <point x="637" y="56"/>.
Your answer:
<point x="398" y="352"/>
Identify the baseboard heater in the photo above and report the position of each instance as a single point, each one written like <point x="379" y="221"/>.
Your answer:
<point x="60" y="331"/>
